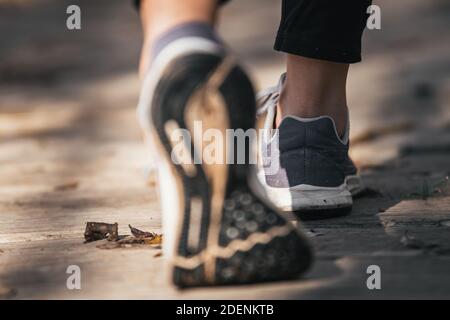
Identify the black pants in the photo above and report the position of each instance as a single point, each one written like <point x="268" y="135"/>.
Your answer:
<point x="322" y="29"/>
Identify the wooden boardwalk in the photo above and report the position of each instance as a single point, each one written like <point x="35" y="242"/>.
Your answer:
<point x="71" y="152"/>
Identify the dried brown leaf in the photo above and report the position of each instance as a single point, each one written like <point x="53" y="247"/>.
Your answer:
<point x="67" y="186"/>
<point x="100" y="230"/>
<point x="157" y="239"/>
<point x="141" y="234"/>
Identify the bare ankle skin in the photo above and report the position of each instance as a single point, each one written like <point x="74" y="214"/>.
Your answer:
<point x="314" y="88"/>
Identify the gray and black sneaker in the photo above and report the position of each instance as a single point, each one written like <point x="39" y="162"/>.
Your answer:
<point x="305" y="166"/>
<point x="217" y="230"/>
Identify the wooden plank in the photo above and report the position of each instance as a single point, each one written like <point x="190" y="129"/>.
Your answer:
<point x="82" y="129"/>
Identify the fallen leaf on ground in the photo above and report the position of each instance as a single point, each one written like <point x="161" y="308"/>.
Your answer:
<point x="154" y="239"/>
<point x="131" y="241"/>
<point x="157" y="239"/>
<point x="145" y="237"/>
<point x="141" y="234"/>
<point x="67" y="186"/>
<point x="100" y="230"/>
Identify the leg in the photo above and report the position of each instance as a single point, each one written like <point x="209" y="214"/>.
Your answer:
<point x="158" y="17"/>
<point x="314" y="88"/>
<point x="321" y="39"/>
<point x="217" y="230"/>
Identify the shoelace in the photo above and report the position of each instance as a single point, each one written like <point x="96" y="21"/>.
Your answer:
<point x="267" y="99"/>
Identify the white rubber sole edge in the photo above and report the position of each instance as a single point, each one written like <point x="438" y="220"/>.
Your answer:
<point x="307" y="197"/>
<point x="167" y="185"/>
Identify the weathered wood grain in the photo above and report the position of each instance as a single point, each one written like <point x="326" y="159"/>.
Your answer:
<point x="71" y="122"/>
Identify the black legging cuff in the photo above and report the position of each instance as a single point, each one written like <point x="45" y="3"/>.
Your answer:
<point x="309" y="49"/>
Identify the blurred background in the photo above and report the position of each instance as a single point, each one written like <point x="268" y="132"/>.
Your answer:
<point x="71" y="150"/>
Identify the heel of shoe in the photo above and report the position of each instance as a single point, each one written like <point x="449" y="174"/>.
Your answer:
<point x="233" y="245"/>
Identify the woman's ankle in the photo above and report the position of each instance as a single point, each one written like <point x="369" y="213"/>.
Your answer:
<point x="314" y="88"/>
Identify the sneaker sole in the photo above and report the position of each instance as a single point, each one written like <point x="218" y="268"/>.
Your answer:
<point x="316" y="202"/>
<point x="225" y="234"/>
